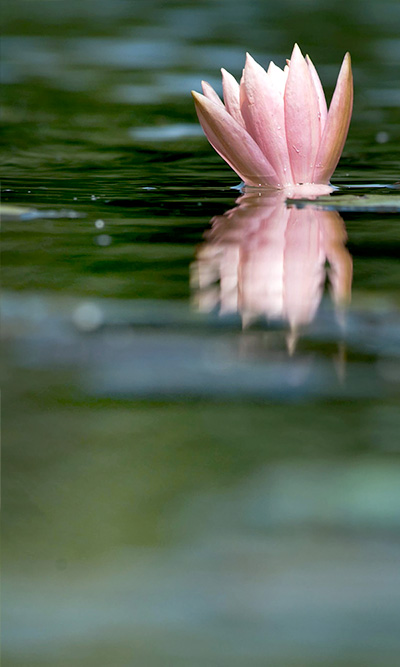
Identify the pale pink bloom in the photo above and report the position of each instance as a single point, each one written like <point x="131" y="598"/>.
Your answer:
<point x="274" y="128"/>
<point x="263" y="259"/>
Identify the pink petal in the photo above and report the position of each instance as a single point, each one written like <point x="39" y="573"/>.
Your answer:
<point x="233" y="143"/>
<point x="301" y="118"/>
<point x="323" y="111"/>
<point x="337" y="124"/>
<point x="231" y="96"/>
<point x="210" y="93"/>
<point x="263" y="113"/>
<point x="278" y="76"/>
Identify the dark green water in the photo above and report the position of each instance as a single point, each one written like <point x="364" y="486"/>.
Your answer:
<point x="185" y="484"/>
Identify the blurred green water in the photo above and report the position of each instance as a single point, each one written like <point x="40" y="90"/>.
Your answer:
<point x="177" y="490"/>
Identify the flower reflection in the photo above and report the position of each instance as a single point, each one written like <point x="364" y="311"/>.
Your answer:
<point x="263" y="259"/>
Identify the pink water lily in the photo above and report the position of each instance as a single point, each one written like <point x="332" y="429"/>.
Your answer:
<point x="274" y="129"/>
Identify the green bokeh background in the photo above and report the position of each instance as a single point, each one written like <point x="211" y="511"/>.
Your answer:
<point x="146" y="529"/>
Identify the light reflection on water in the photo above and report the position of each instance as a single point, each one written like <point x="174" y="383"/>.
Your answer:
<point x="264" y="259"/>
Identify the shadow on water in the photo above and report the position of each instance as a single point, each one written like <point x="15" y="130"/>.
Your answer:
<point x="201" y="461"/>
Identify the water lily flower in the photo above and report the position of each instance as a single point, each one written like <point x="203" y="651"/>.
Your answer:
<point x="274" y="129"/>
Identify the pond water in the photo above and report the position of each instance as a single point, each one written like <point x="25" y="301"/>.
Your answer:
<point x="201" y="461"/>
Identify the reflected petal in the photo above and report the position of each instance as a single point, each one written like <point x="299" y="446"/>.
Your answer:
<point x="263" y="259"/>
<point x="304" y="267"/>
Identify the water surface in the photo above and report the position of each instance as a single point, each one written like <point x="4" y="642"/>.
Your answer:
<point x="201" y="409"/>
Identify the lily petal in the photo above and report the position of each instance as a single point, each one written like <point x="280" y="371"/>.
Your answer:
<point x="230" y="88"/>
<point x="263" y="112"/>
<point x="234" y="143"/>
<point x="302" y="119"/>
<point x="323" y="110"/>
<point x="337" y="124"/>
<point x="278" y="76"/>
<point x="210" y="93"/>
